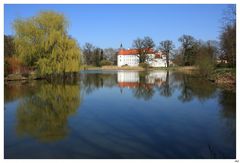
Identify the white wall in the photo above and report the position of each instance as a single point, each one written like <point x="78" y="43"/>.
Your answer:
<point x="130" y="60"/>
<point x="133" y="60"/>
<point x="159" y="63"/>
<point x="156" y="62"/>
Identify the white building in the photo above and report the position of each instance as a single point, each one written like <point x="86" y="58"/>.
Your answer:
<point x="130" y="58"/>
<point x="157" y="60"/>
<point x="127" y="57"/>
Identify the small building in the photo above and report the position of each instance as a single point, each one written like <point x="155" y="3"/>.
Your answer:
<point x="127" y="57"/>
<point x="130" y="57"/>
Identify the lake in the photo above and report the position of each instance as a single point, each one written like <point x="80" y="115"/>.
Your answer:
<point x="120" y="114"/>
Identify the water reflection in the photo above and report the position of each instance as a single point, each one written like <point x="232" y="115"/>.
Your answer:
<point x="227" y="101"/>
<point x="186" y="117"/>
<point x="142" y="83"/>
<point x="16" y="90"/>
<point x="192" y="86"/>
<point x="146" y="84"/>
<point x="93" y="81"/>
<point x="43" y="113"/>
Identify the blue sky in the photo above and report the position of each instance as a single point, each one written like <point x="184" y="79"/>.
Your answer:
<point x="110" y="25"/>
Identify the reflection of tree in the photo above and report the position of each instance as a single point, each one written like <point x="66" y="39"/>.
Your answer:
<point x="227" y="99"/>
<point x="97" y="80"/>
<point x="165" y="89"/>
<point x="143" y="90"/>
<point x="44" y="115"/>
<point x="15" y="89"/>
<point x="186" y="93"/>
<point x="192" y="86"/>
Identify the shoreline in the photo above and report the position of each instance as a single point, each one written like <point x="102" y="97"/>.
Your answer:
<point x="178" y="68"/>
<point x="222" y="77"/>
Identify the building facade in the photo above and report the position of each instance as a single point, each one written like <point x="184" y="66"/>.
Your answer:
<point x="131" y="58"/>
<point x="127" y="57"/>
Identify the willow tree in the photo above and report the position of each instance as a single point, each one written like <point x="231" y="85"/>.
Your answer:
<point x="42" y="42"/>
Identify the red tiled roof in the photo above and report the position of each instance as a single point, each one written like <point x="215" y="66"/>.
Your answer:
<point x="134" y="84"/>
<point x="158" y="55"/>
<point x="128" y="84"/>
<point x="131" y="51"/>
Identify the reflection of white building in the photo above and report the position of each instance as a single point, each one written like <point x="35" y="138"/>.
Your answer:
<point x="128" y="76"/>
<point x="131" y="79"/>
<point x="130" y="58"/>
<point x="156" y="77"/>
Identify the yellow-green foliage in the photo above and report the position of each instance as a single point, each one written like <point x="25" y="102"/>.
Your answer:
<point x="44" y="115"/>
<point x="42" y="42"/>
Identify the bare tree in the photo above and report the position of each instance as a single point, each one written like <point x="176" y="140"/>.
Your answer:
<point x="228" y="36"/>
<point x="229" y="15"/>
<point x="143" y="47"/>
<point x="148" y="43"/>
<point x="166" y="47"/>
<point x="88" y="50"/>
<point x="110" y="54"/>
<point x="189" y="47"/>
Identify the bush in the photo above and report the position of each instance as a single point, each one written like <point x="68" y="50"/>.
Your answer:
<point x="105" y="63"/>
<point x="144" y="65"/>
<point x="126" y="65"/>
<point x="222" y="65"/>
<point x="12" y="65"/>
<point x="206" y="65"/>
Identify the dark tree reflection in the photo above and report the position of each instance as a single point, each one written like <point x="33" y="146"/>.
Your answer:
<point x="143" y="90"/>
<point x="94" y="81"/>
<point x="15" y="89"/>
<point x="227" y="100"/>
<point x="195" y="87"/>
<point x="186" y="93"/>
<point x="166" y="89"/>
<point x="44" y="115"/>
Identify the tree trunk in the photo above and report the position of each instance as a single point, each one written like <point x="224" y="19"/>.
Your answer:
<point x="167" y="58"/>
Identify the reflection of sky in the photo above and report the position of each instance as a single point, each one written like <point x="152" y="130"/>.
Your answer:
<point x="165" y="124"/>
<point x="114" y="124"/>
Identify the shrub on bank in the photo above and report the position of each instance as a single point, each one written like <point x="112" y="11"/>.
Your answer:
<point x="144" y="65"/>
<point x="12" y="65"/>
<point x="105" y="63"/>
<point x="223" y="65"/>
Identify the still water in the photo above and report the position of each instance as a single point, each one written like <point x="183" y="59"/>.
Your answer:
<point x="120" y="114"/>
